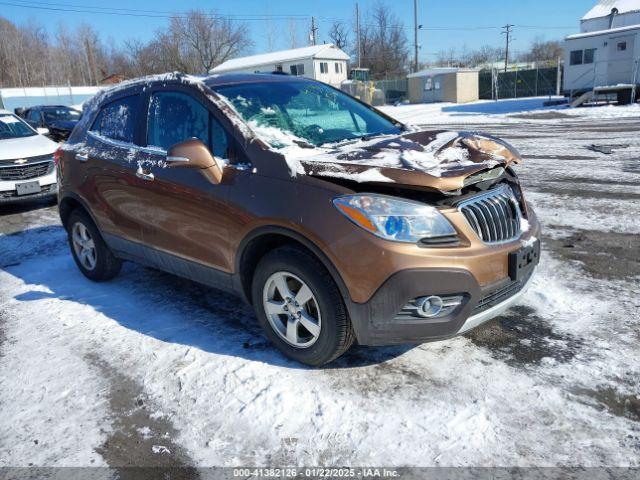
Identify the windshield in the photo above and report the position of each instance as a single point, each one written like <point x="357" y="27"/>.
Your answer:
<point x="65" y="114"/>
<point x="304" y="112"/>
<point x="12" y="127"/>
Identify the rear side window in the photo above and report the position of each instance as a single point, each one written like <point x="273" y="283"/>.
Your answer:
<point x="175" y="117"/>
<point x="34" y="115"/>
<point x="117" y="120"/>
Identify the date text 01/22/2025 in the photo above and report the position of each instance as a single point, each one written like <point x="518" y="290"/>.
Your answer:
<point x="292" y="472"/>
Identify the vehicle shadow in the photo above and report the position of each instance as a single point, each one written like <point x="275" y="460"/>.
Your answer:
<point x="500" y="106"/>
<point x="26" y="206"/>
<point x="165" y="307"/>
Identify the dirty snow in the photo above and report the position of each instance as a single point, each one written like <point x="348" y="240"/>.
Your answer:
<point x="555" y="381"/>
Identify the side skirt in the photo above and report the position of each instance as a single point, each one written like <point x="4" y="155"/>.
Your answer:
<point x="151" y="257"/>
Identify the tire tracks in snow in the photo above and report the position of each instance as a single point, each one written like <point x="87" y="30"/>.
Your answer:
<point x="139" y="436"/>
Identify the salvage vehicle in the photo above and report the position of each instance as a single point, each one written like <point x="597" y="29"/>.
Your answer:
<point x="27" y="171"/>
<point x="55" y="121"/>
<point x="336" y="222"/>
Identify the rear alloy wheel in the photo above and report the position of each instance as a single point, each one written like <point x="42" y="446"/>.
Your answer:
<point x="298" y="304"/>
<point x="83" y="245"/>
<point x="91" y="254"/>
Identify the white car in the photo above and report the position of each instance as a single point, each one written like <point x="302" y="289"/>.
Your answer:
<point x="27" y="169"/>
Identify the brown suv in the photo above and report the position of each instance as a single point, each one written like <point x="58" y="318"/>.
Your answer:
<point x="336" y="222"/>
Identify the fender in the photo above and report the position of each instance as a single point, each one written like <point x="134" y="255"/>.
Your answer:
<point x="273" y="229"/>
<point x="75" y="197"/>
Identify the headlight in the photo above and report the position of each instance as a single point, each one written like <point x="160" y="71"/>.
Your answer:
<point x="394" y="219"/>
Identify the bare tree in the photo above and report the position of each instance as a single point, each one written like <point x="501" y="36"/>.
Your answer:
<point x="270" y="35"/>
<point x="447" y="58"/>
<point x="383" y="43"/>
<point x="339" y="34"/>
<point x="293" y="33"/>
<point x="543" y="52"/>
<point x="198" y="42"/>
<point x="481" y="57"/>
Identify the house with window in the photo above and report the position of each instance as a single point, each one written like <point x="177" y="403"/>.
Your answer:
<point x="605" y="55"/>
<point x="326" y="63"/>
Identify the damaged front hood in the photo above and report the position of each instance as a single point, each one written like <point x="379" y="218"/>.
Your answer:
<point x="437" y="160"/>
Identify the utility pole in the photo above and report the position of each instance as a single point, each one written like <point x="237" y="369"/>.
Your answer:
<point x="415" y="34"/>
<point x="358" y="34"/>
<point x="314" y="30"/>
<point x="507" y="30"/>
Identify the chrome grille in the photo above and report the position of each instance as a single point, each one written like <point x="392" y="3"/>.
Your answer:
<point x="495" y="215"/>
<point x="26" y="171"/>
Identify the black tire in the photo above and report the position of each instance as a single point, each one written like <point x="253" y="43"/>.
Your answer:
<point x="107" y="266"/>
<point x="336" y="333"/>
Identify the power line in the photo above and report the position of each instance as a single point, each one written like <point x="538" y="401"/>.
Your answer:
<point x="453" y="28"/>
<point x="130" y="12"/>
<point x="541" y="27"/>
<point x="134" y="12"/>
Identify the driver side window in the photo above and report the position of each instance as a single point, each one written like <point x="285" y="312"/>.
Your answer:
<point x="175" y="117"/>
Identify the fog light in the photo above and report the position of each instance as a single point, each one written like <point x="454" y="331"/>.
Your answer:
<point x="429" y="306"/>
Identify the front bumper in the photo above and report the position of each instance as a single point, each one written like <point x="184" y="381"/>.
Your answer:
<point x="496" y="310"/>
<point x="378" y="322"/>
<point x="48" y="188"/>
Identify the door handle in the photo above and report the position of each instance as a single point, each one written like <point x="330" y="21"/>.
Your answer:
<point x="81" y="157"/>
<point x="144" y="175"/>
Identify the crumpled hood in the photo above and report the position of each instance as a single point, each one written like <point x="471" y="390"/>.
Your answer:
<point x="439" y="160"/>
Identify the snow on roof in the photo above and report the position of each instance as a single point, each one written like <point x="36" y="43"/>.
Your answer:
<point x="602" y="32"/>
<point x="328" y="51"/>
<point x="5" y="112"/>
<point x="603" y="8"/>
<point x="439" y="71"/>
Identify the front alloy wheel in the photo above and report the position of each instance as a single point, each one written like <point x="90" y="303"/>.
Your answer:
<point x="292" y="309"/>
<point x="300" y="307"/>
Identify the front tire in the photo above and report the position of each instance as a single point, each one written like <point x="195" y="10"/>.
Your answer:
<point x="300" y="307"/>
<point x="91" y="254"/>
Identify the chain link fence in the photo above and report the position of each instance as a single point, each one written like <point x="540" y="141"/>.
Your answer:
<point x="395" y="90"/>
<point x="519" y="83"/>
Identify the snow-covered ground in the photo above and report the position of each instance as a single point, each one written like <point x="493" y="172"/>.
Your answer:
<point x="555" y="381"/>
<point x="503" y="111"/>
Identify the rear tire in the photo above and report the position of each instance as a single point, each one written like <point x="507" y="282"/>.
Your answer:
<point x="330" y="333"/>
<point x="90" y="252"/>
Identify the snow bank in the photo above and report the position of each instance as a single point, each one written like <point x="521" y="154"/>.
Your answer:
<point x="501" y="111"/>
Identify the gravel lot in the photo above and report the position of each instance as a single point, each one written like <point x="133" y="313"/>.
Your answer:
<point x="153" y="370"/>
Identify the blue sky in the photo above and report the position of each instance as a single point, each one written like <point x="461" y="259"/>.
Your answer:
<point x="550" y="19"/>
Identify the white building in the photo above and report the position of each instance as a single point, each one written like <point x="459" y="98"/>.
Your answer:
<point x="12" y="98"/>
<point x="606" y="54"/>
<point x="608" y="14"/>
<point x="326" y="63"/>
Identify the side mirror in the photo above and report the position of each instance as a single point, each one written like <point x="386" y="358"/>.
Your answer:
<point x="42" y="130"/>
<point x="193" y="153"/>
